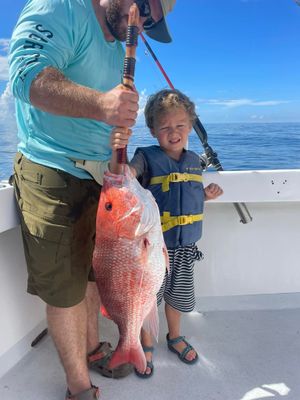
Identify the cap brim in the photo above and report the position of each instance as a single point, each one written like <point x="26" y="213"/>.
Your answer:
<point x="159" y="31"/>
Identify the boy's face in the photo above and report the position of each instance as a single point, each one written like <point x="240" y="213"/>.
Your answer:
<point x="171" y="131"/>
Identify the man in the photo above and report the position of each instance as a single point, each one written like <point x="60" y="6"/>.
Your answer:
<point x="66" y="64"/>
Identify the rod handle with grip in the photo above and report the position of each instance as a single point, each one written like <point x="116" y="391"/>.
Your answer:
<point x="129" y="63"/>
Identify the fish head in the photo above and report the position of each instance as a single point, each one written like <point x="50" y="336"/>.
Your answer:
<point x="121" y="209"/>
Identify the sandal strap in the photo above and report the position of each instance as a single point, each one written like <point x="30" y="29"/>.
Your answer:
<point x="102" y="352"/>
<point x="185" y="351"/>
<point x="148" y="349"/>
<point x="176" y="340"/>
<point x="88" y="394"/>
<point x="189" y="347"/>
<point x="104" y="347"/>
<point x="98" y="356"/>
<point x="150" y="364"/>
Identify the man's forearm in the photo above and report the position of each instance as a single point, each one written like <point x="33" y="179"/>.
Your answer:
<point x="52" y="92"/>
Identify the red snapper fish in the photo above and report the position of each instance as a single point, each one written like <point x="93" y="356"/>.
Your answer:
<point x="130" y="260"/>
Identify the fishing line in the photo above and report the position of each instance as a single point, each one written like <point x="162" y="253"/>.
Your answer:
<point x="159" y="81"/>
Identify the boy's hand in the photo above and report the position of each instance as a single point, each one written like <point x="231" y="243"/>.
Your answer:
<point x="119" y="138"/>
<point x="212" y="191"/>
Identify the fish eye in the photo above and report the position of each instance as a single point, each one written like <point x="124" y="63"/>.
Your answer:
<point x="108" y="206"/>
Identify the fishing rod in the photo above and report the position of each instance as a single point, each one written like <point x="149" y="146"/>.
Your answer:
<point x="129" y="63"/>
<point x="212" y="156"/>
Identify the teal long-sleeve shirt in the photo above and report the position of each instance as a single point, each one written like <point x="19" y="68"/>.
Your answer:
<point x="66" y="35"/>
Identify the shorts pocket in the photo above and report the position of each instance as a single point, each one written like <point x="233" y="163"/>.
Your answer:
<point x="44" y="209"/>
<point x="54" y="230"/>
<point x="47" y="178"/>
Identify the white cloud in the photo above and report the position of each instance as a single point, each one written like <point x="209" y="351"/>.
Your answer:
<point x="257" y="117"/>
<point x="3" y="68"/>
<point x="142" y="104"/>
<point x="4" y="44"/>
<point x="232" y="103"/>
<point x="7" y="110"/>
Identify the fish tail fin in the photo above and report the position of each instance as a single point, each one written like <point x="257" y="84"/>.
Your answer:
<point x="134" y="356"/>
<point x="151" y="322"/>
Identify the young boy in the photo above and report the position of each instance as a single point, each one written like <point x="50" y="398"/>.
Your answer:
<point x="174" y="176"/>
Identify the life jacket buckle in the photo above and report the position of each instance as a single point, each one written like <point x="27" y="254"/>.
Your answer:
<point x="179" y="177"/>
<point x="174" y="177"/>
<point x="184" y="220"/>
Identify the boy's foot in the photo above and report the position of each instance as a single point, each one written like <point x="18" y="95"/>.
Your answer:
<point x="185" y="352"/>
<point x="148" y="350"/>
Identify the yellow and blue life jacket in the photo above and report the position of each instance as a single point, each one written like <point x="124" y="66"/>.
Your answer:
<point x="178" y="189"/>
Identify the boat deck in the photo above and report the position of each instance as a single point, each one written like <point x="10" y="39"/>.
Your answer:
<point x="244" y="355"/>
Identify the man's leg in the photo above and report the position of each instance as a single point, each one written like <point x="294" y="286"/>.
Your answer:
<point x="57" y="213"/>
<point x="93" y="306"/>
<point x="68" y="328"/>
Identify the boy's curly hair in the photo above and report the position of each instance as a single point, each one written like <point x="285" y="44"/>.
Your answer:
<point x="167" y="100"/>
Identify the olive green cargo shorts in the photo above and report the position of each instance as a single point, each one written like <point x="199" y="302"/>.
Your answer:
<point x="58" y="220"/>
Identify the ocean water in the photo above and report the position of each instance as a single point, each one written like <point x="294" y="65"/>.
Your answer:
<point x="239" y="146"/>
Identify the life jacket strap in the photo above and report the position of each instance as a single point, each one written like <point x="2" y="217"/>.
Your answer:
<point x="168" y="222"/>
<point x="165" y="180"/>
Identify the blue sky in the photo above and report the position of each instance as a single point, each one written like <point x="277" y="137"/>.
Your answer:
<point x="239" y="60"/>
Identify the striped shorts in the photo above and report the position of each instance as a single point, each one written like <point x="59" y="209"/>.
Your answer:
<point x="178" y="285"/>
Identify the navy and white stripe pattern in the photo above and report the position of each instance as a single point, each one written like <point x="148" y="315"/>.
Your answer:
<point x="178" y="285"/>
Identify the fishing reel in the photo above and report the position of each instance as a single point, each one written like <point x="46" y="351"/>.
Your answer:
<point x="204" y="161"/>
<point x="210" y="159"/>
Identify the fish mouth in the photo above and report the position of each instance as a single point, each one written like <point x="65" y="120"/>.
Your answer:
<point x="113" y="180"/>
<point x="119" y="180"/>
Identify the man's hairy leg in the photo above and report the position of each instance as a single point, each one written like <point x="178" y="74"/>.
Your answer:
<point x="93" y="306"/>
<point x="68" y="328"/>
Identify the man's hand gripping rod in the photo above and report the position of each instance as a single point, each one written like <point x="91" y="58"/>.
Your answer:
<point x="241" y="208"/>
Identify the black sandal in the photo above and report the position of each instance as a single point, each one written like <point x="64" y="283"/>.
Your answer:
<point x="100" y="357"/>
<point x="89" y="394"/>
<point x="181" y="355"/>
